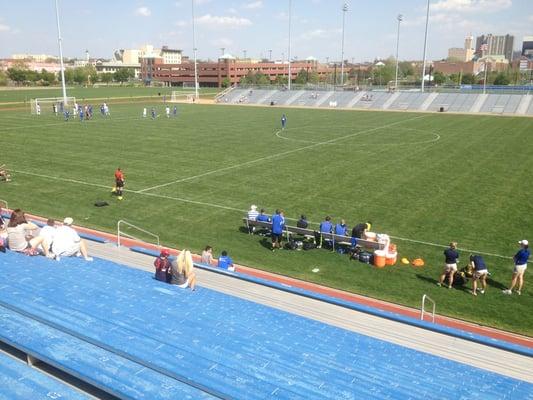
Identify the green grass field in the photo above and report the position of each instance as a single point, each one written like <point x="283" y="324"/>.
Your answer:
<point x="103" y="92"/>
<point x="419" y="177"/>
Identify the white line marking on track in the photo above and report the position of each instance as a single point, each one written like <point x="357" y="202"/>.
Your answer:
<point x="282" y="154"/>
<point x="220" y="206"/>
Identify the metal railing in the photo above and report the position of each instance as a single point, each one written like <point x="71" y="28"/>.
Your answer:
<point x="122" y="233"/>
<point x="223" y="93"/>
<point x="422" y="311"/>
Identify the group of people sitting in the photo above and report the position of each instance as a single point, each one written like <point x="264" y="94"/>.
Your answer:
<point x="52" y="241"/>
<point x="477" y="269"/>
<point x="180" y="271"/>
<point x="326" y="226"/>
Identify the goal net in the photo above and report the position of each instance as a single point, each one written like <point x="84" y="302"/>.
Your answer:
<point x="179" y="96"/>
<point x="51" y="105"/>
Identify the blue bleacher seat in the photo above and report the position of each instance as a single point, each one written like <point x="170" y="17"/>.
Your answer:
<point x="227" y="346"/>
<point x="18" y="381"/>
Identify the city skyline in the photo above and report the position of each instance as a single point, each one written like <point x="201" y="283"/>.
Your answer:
<point x="255" y="27"/>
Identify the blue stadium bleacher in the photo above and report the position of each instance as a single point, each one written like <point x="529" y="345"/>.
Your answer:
<point x="220" y="344"/>
<point x="19" y="381"/>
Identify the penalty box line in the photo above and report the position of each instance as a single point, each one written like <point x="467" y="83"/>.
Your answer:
<point x="220" y="206"/>
<point x="277" y="155"/>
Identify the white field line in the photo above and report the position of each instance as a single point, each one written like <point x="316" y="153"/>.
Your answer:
<point x="220" y="206"/>
<point x="277" y="155"/>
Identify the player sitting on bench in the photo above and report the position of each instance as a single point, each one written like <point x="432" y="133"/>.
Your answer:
<point x="4" y="175"/>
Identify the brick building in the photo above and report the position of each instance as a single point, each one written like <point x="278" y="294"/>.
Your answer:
<point x="213" y="73"/>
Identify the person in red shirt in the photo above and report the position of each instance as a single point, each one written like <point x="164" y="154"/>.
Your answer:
<point x="119" y="183"/>
<point x="162" y="266"/>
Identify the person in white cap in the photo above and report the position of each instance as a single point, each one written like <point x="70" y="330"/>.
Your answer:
<point x="520" y="266"/>
<point x="68" y="243"/>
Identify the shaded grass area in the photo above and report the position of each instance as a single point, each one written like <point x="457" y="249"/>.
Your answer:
<point x="82" y="93"/>
<point x="432" y="178"/>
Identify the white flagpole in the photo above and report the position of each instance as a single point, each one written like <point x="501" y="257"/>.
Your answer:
<point x="425" y="48"/>
<point x="195" y="50"/>
<point x="61" y="56"/>
<point x="290" y="11"/>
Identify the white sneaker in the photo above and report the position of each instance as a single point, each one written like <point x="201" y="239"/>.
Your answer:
<point x="519" y="292"/>
<point x="482" y="291"/>
<point x="88" y="258"/>
<point x="507" y="291"/>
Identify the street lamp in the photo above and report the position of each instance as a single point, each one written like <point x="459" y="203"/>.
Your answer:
<point x="270" y="55"/>
<point x="400" y="18"/>
<point x="195" y="51"/>
<point x="223" y="50"/>
<point x="244" y="53"/>
<point x="289" y="58"/>
<point x="425" y="48"/>
<point x="60" y="40"/>
<point x="344" y="11"/>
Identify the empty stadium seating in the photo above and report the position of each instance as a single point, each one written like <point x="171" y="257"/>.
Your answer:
<point x="133" y="336"/>
<point x="508" y="104"/>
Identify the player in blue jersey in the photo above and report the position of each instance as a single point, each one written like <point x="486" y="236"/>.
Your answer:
<point x="520" y="266"/>
<point x="283" y="121"/>
<point x="175" y="111"/>
<point x="153" y="113"/>
<point x="278" y="224"/>
<point x="81" y="113"/>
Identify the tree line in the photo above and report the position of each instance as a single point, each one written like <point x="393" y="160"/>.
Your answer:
<point x="21" y="75"/>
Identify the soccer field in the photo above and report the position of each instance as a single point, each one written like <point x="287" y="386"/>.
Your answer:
<point x="426" y="179"/>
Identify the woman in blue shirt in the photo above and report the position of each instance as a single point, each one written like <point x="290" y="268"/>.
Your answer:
<point x="520" y="266"/>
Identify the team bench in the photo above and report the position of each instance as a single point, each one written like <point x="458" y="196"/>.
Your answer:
<point x="311" y="233"/>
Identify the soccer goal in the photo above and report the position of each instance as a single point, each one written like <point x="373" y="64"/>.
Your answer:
<point x="50" y="105"/>
<point x="179" y="96"/>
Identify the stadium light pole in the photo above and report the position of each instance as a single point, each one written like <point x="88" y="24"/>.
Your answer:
<point x="425" y="48"/>
<point x="61" y="56"/>
<point x="289" y="58"/>
<point x="344" y="11"/>
<point x="195" y="50"/>
<point x="400" y="18"/>
<point x="269" y="55"/>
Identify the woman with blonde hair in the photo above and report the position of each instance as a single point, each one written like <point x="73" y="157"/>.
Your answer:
<point x="182" y="271"/>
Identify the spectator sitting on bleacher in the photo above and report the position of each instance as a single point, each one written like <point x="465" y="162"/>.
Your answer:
<point x="341" y="228"/>
<point x="225" y="261"/>
<point x="48" y="232"/>
<point x="17" y="237"/>
<point x="262" y="217"/>
<point x="302" y="222"/>
<point x="325" y="227"/>
<point x="162" y="266"/>
<point x="182" y="271"/>
<point x="68" y="243"/>
<point x="278" y="224"/>
<point x="359" y="230"/>
<point x="207" y="255"/>
<point x="3" y="233"/>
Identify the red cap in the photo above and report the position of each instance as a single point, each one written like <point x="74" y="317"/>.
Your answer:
<point x="165" y="253"/>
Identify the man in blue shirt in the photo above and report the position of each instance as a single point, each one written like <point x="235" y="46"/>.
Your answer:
<point x="175" y="111"/>
<point x="278" y="224"/>
<point x="225" y="261"/>
<point x="341" y="228"/>
<point x="325" y="227"/>
<point x="520" y="266"/>
<point x="262" y="217"/>
<point x="283" y="121"/>
<point x="451" y="257"/>
<point x="153" y="113"/>
<point x="480" y="273"/>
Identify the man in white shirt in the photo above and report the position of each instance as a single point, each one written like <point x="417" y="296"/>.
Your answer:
<point x="48" y="232"/>
<point x="68" y="243"/>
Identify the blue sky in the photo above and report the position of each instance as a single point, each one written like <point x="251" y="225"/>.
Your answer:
<point x="257" y="26"/>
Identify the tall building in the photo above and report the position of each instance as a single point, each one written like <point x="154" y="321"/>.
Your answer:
<point x="494" y="45"/>
<point x="527" y="47"/>
<point x="462" y="54"/>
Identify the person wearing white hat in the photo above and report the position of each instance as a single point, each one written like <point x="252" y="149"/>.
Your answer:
<point x="68" y="243"/>
<point x="252" y="216"/>
<point x="520" y="266"/>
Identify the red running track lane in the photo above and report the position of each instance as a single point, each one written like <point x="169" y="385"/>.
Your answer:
<point x="339" y="294"/>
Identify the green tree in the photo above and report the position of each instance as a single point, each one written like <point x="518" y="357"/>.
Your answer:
<point x="281" y="80"/>
<point x="17" y="75"/>
<point x="48" y="78"/>
<point x="106" y="77"/>
<point x="3" y="78"/>
<point x="501" y="79"/>
<point x="123" y="75"/>
<point x="301" y="78"/>
<point x="406" y="69"/>
<point x="225" y="82"/>
<point x="439" y="78"/>
<point x="468" y="79"/>
<point x="262" y="79"/>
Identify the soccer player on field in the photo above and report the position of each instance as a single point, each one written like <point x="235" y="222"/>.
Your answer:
<point x="81" y="114"/>
<point x="119" y="183"/>
<point x="38" y="109"/>
<point x="283" y="121"/>
<point x="144" y="112"/>
<point x="175" y="111"/>
<point x="167" y="111"/>
<point x="153" y="113"/>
